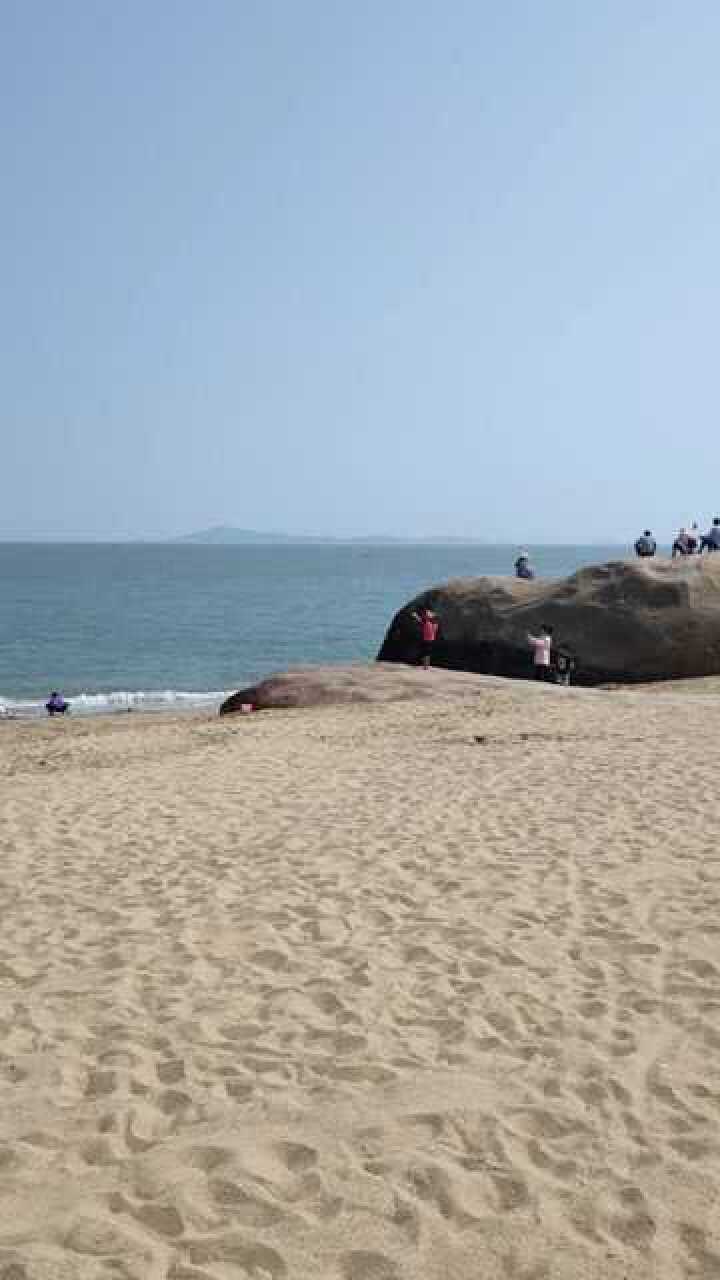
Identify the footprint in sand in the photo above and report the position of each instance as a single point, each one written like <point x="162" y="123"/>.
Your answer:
<point x="256" y="1260"/>
<point x="247" y="1209"/>
<point x="366" y="1265"/>
<point x="296" y="1156"/>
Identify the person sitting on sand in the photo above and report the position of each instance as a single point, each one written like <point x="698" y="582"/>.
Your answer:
<point x="542" y="648"/>
<point x="710" y="541"/>
<point x="56" y="704"/>
<point x="429" y="627"/>
<point x="523" y="568"/>
<point x="645" y="545"/>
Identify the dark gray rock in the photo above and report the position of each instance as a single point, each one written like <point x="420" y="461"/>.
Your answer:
<point x="625" y="621"/>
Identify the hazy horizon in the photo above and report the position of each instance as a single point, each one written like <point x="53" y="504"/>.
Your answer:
<point x="307" y="537"/>
<point x="387" y="271"/>
<point x="233" y="535"/>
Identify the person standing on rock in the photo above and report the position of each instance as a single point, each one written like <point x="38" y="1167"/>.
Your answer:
<point x="542" y="649"/>
<point x="645" y="545"/>
<point x="429" y="627"/>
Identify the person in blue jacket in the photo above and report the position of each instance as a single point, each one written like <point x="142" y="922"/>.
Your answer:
<point x="523" y="568"/>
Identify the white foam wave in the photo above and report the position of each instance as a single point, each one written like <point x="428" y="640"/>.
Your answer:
<point x="89" y="704"/>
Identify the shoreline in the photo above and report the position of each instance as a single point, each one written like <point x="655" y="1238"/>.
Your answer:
<point x="88" y="706"/>
<point x="209" y="703"/>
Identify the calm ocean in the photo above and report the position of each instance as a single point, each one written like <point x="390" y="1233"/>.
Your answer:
<point x="158" y="626"/>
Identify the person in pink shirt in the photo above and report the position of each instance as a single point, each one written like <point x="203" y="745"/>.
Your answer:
<point x="429" y="627"/>
<point x="542" y="649"/>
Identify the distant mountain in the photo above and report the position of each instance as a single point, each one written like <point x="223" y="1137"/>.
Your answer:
<point x="226" y="535"/>
<point x="223" y="534"/>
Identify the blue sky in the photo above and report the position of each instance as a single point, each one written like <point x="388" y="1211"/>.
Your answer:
<point x="330" y="268"/>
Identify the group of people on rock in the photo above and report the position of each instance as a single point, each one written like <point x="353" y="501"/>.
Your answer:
<point x="689" y="542"/>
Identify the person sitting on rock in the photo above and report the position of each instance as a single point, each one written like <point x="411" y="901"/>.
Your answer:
<point x="693" y="539"/>
<point x="682" y="546"/>
<point x="523" y="568"/>
<point x="429" y="627"/>
<point x="710" y="541"/>
<point x="542" y="649"/>
<point x="56" y="704"/>
<point x="645" y="545"/>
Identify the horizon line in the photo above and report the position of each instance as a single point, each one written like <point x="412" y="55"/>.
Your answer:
<point x="269" y="539"/>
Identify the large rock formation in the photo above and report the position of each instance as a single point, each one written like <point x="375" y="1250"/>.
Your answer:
<point x="625" y="621"/>
<point x="328" y="686"/>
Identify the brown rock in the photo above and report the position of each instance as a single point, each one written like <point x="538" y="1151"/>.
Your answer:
<point x="378" y="682"/>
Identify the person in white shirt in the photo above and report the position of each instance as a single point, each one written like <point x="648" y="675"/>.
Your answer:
<point x="542" y="647"/>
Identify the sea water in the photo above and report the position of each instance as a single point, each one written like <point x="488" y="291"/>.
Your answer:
<point x="152" y="627"/>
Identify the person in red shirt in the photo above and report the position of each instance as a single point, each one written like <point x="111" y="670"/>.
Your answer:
<point x="429" y="627"/>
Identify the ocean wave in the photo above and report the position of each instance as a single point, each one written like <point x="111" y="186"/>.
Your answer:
<point x="95" y="704"/>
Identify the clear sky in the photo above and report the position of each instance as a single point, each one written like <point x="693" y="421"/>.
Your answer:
<point x="404" y="266"/>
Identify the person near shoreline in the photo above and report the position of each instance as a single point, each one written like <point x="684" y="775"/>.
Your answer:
<point x="523" y="568"/>
<point x="542" y="650"/>
<point x="710" y="541"/>
<point x="645" y="545"/>
<point x="429" y="627"/>
<point x="56" y="704"/>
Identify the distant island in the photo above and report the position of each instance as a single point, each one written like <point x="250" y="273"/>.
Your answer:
<point x="227" y="535"/>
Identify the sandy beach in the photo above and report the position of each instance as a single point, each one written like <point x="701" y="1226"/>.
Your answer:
<point x="347" y="994"/>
